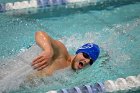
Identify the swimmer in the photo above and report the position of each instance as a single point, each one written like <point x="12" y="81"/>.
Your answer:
<point x="54" y="56"/>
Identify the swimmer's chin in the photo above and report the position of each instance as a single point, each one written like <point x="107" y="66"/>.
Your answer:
<point x="74" y="68"/>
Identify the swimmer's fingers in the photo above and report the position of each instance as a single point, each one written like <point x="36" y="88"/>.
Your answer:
<point x="37" y="60"/>
<point x="41" y="65"/>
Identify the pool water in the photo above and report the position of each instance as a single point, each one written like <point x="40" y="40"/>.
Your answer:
<point x="115" y="28"/>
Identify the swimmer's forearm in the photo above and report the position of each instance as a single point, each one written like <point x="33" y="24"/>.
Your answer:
<point x="30" y="78"/>
<point x="44" y="41"/>
<point x="33" y="76"/>
<point x="38" y="74"/>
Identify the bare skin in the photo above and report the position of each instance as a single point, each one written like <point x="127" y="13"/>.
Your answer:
<point x="54" y="56"/>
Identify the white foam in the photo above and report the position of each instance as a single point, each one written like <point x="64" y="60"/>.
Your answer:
<point x="16" y="69"/>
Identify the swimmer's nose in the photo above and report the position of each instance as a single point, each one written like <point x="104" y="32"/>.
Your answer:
<point x="87" y="61"/>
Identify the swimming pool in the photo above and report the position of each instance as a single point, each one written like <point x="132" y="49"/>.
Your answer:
<point x="113" y="25"/>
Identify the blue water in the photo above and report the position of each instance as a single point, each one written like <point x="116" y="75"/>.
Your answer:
<point x="114" y="26"/>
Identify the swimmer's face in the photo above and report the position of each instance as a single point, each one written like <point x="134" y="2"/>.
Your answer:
<point x="80" y="61"/>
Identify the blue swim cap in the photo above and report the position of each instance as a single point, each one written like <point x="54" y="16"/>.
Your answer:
<point x="91" y="49"/>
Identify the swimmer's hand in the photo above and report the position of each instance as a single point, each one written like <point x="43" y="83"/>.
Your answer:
<point x="42" y="61"/>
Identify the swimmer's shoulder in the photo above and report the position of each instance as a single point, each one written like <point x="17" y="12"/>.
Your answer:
<point x="61" y="49"/>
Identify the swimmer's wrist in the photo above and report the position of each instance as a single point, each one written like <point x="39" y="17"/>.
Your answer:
<point x="49" y="53"/>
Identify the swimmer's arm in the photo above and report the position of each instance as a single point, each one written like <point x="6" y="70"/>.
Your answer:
<point x="46" y="56"/>
<point x="45" y="42"/>
<point x="40" y="74"/>
<point x="36" y="75"/>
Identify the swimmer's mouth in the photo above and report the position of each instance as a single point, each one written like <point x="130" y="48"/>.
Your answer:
<point x="80" y="66"/>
